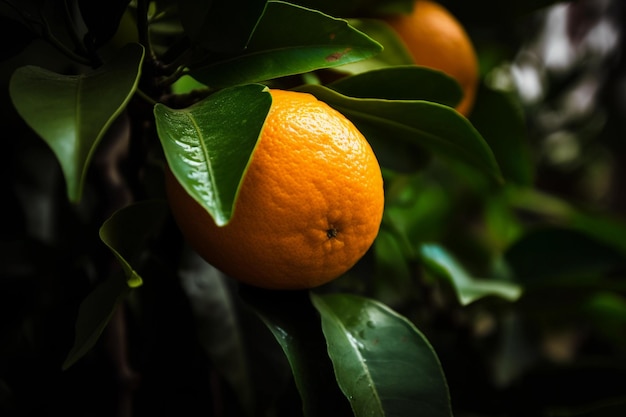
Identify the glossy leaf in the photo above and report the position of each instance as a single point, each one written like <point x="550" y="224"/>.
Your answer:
<point x="425" y="125"/>
<point x="208" y="145"/>
<point x="312" y="40"/>
<point x="128" y="231"/>
<point x="383" y="364"/>
<point x="394" y="51"/>
<point x="210" y="24"/>
<point x="468" y="289"/>
<point x="295" y="325"/>
<point x="73" y="112"/>
<point x="407" y="82"/>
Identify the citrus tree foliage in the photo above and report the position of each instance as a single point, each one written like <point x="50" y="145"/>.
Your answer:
<point x="486" y="288"/>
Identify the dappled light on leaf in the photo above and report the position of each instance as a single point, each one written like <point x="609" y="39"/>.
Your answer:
<point x="468" y="288"/>
<point x="208" y="145"/>
<point x="425" y="125"/>
<point x="383" y="364"/>
<point x="129" y="230"/>
<point x="311" y="40"/>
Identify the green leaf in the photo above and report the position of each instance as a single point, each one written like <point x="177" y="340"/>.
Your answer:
<point x="417" y="207"/>
<point x="129" y="230"/>
<point x="73" y="112"/>
<point x="422" y="124"/>
<point x="383" y="364"/>
<point x="408" y="82"/>
<point x="94" y="314"/>
<point x="394" y="53"/>
<point x="393" y="269"/>
<point x="311" y="40"/>
<point x="501" y="122"/>
<point x="208" y="145"/>
<point x="608" y="312"/>
<point x="187" y="84"/>
<point x="295" y="325"/>
<point x="468" y="289"/>
<point x="213" y="303"/>
<point x="603" y="227"/>
<point x="210" y="24"/>
<point x="551" y="253"/>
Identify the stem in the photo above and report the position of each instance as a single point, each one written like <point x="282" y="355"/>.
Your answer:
<point x="142" y="27"/>
<point x="146" y="97"/>
<point x="171" y="79"/>
<point x="117" y="346"/>
<point x="112" y="185"/>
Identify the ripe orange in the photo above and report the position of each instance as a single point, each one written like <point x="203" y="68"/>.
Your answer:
<point x="309" y="206"/>
<point x="436" y="39"/>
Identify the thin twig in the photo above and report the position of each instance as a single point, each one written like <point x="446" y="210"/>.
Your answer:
<point x="142" y="27"/>
<point x="127" y="377"/>
<point x="171" y="79"/>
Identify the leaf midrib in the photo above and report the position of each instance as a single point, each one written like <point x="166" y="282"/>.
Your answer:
<point x="217" y="200"/>
<point x="362" y="360"/>
<point x="403" y="126"/>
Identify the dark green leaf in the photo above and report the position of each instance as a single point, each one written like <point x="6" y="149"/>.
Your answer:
<point x="549" y="253"/>
<point x="608" y="312"/>
<point x="401" y="83"/>
<point x="168" y="38"/>
<point x="418" y="208"/>
<point x="94" y="314"/>
<point x="288" y="40"/>
<point x="73" y="112"/>
<point x="468" y="289"/>
<point x="129" y="230"/>
<point x="211" y="25"/>
<point x="383" y="364"/>
<point x="501" y="122"/>
<point x="393" y="269"/>
<point x="425" y="125"/>
<point x="295" y="325"/>
<point x="332" y="7"/>
<point x="212" y="301"/>
<point x="208" y="145"/>
<point x="393" y="54"/>
<point x="606" y="228"/>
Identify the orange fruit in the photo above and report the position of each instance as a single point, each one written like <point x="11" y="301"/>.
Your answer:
<point x="309" y="205"/>
<point x="436" y="39"/>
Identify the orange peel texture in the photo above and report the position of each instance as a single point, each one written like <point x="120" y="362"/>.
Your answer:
<point x="309" y="205"/>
